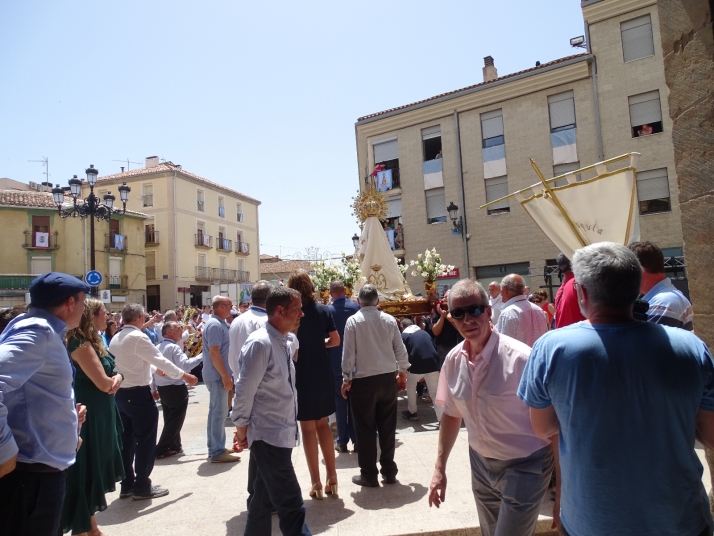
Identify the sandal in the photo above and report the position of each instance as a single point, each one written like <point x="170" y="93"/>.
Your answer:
<point x="315" y="492"/>
<point x="331" y="486"/>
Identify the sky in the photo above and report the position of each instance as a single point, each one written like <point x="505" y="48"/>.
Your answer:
<point x="261" y="97"/>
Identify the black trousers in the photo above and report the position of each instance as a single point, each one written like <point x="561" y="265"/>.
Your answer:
<point x="374" y="412"/>
<point x="174" y="403"/>
<point x="31" y="502"/>
<point x="140" y="419"/>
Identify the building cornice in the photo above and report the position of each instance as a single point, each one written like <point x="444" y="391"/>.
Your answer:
<point x="600" y="10"/>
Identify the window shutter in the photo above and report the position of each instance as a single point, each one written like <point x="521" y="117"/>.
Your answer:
<point x="496" y="188"/>
<point x="431" y="132"/>
<point x="645" y="108"/>
<point x="394" y="207"/>
<point x="562" y="109"/>
<point x="435" y="203"/>
<point x="637" y="40"/>
<point x="385" y="150"/>
<point x="40" y="265"/>
<point x="492" y="124"/>
<point x="652" y="184"/>
<point x="114" y="226"/>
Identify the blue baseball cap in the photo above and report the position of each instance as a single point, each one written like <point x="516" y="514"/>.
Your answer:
<point x="52" y="287"/>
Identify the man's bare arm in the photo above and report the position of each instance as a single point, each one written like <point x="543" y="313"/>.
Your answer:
<point x="544" y="422"/>
<point x="448" y="432"/>
<point x="705" y="428"/>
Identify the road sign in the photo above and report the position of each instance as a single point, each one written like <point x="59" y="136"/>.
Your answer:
<point x="93" y="278"/>
<point x="105" y="296"/>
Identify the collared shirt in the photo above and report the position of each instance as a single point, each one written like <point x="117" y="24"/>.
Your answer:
<point x="668" y="306"/>
<point x="496" y="304"/>
<point x="38" y="417"/>
<point x="266" y="399"/>
<point x="252" y="320"/>
<point x="215" y="333"/>
<point x="482" y="391"/>
<point x="174" y="353"/>
<point x="372" y="345"/>
<point x="522" y="320"/>
<point x="422" y="353"/>
<point x="134" y="355"/>
<point x="341" y="309"/>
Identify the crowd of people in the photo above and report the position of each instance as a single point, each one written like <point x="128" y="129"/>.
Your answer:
<point x="576" y="396"/>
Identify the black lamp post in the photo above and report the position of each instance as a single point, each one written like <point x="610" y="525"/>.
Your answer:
<point x="454" y="214"/>
<point x="92" y="205"/>
<point x="355" y="240"/>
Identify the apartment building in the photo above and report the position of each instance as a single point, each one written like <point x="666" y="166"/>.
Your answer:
<point x="36" y="240"/>
<point x="471" y="146"/>
<point x="201" y="237"/>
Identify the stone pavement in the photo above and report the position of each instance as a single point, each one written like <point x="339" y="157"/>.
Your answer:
<point x="210" y="499"/>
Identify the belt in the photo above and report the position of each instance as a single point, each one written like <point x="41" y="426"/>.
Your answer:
<point x="134" y="388"/>
<point x="36" y="468"/>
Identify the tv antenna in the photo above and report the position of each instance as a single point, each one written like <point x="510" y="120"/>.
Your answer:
<point x="46" y="162"/>
<point x="127" y="163"/>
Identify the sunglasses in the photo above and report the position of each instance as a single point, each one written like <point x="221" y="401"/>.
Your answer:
<point x="472" y="310"/>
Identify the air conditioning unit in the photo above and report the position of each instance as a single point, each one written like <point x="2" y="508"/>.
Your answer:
<point x="34" y="185"/>
<point x="240" y="217"/>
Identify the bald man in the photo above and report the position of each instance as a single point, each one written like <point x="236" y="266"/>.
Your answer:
<point x="519" y="318"/>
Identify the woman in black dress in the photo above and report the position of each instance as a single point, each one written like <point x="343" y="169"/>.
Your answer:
<point x="315" y="383"/>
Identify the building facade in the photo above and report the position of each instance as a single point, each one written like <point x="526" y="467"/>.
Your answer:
<point x="36" y="240"/>
<point x="472" y="146"/>
<point x="201" y="238"/>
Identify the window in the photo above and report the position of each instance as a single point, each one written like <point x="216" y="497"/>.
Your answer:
<point x="645" y="114"/>
<point x="221" y="208"/>
<point x="113" y="229"/>
<point x="653" y="191"/>
<point x="637" y="41"/>
<point x="239" y="212"/>
<point x="147" y="195"/>
<point x="561" y="108"/>
<point x="386" y="153"/>
<point x="40" y="224"/>
<point x="496" y="188"/>
<point x="222" y="263"/>
<point x="431" y="143"/>
<point x="201" y="259"/>
<point x="435" y="205"/>
<point x="40" y="265"/>
<point x="562" y="169"/>
<point x="492" y="128"/>
<point x="199" y="200"/>
<point x="395" y="233"/>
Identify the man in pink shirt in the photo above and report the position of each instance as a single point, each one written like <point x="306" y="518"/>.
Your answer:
<point x="511" y="467"/>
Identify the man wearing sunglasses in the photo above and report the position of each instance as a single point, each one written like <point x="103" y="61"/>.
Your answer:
<point x="510" y="466"/>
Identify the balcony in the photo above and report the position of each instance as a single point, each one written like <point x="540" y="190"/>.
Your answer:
<point x="115" y="242"/>
<point x="118" y="282"/>
<point x="223" y="244"/>
<point x="147" y="200"/>
<point x="203" y="241"/>
<point x="203" y="273"/>
<point x="42" y="241"/>
<point x="222" y="275"/>
<point x="242" y="248"/>
<point x="150" y="273"/>
<point x="152" y="238"/>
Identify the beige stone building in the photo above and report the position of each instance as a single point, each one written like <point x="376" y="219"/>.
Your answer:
<point x="472" y="146"/>
<point x="36" y="240"/>
<point x="201" y="238"/>
<point x="275" y="269"/>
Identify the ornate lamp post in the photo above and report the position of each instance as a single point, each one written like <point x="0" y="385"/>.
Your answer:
<point x="355" y="240"/>
<point x="92" y="207"/>
<point x="454" y="216"/>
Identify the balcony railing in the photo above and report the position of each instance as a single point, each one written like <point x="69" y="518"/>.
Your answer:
<point x="204" y="273"/>
<point x="203" y="240"/>
<point x="151" y="272"/>
<point x="243" y="248"/>
<point x="223" y="244"/>
<point x="112" y="242"/>
<point x="243" y="276"/>
<point x="152" y="238"/>
<point x="118" y="282"/>
<point x="34" y="240"/>
<point x="147" y="200"/>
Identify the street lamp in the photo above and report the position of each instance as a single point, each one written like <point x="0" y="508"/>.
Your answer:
<point x="92" y="207"/>
<point x="454" y="214"/>
<point x="355" y="240"/>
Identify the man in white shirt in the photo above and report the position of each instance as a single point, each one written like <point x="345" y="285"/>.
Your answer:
<point x="495" y="300"/>
<point x="374" y="369"/>
<point x="520" y="319"/>
<point x="135" y="355"/>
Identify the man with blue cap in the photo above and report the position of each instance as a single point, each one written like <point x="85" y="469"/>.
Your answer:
<point x="38" y="418"/>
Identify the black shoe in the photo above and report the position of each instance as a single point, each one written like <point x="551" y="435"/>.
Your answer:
<point x="166" y="454"/>
<point x="153" y="493"/>
<point x="410" y="416"/>
<point x="126" y="494"/>
<point x="341" y="448"/>
<point x="360" y="480"/>
<point x="389" y="479"/>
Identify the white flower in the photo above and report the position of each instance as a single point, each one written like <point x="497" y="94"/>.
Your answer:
<point x="418" y="256"/>
<point x="414" y="273"/>
<point x="424" y="274"/>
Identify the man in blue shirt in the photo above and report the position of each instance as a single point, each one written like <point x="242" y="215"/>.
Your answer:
<point x="341" y="310"/>
<point x="218" y="379"/>
<point x="628" y="399"/>
<point x="38" y="417"/>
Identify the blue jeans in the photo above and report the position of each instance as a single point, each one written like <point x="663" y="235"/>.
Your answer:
<point x="216" y="424"/>
<point x="345" y="427"/>
<point x="275" y="484"/>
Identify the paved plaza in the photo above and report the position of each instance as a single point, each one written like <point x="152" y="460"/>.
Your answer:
<point x="210" y="499"/>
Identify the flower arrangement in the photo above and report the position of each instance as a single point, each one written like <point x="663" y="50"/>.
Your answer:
<point x="402" y="267"/>
<point x="428" y="266"/>
<point x="324" y="274"/>
<point x="350" y="271"/>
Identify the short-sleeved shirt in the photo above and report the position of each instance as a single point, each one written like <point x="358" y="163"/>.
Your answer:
<point x="626" y="397"/>
<point x="314" y="329"/>
<point x="668" y="306"/>
<point x="567" y="310"/>
<point x="215" y="333"/>
<point x="449" y="336"/>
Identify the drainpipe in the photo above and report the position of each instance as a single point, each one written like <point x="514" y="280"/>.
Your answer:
<point x="176" y="252"/>
<point x="596" y="103"/>
<point x="459" y="165"/>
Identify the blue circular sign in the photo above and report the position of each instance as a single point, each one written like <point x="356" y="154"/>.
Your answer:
<point x="93" y="278"/>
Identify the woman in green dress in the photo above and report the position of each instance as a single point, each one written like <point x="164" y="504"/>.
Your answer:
<point x="99" y="465"/>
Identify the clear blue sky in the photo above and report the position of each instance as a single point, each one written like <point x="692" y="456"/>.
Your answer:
<point x="259" y="96"/>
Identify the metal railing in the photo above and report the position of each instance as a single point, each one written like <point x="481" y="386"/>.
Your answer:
<point x="243" y="276"/>
<point x="243" y="248"/>
<point x="151" y="272"/>
<point x="203" y="240"/>
<point x="204" y="273"/>
<point x="110" y="242"/>
<point x="118" y="281"/>
<point x="16" y="281"/>
<point x="32" y="241"/>
<point x="152" y="238"/>
<point x="224" y="244"/>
